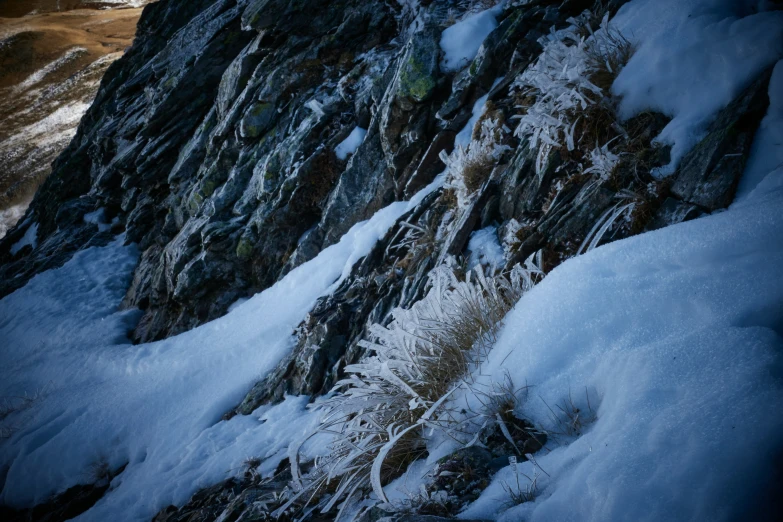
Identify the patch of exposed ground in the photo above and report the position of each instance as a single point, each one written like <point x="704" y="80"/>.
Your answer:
<point x="51" y="64"/>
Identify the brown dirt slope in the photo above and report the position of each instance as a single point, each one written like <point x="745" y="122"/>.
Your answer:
<point x="51" y="64"/>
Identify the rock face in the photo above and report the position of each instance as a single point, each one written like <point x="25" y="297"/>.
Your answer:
<point x="211" y="145"/>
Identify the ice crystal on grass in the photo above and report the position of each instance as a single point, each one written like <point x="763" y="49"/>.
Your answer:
<point x="470" y="166"/>
<point x="562" y="83"/>
<point x="603" y="162"/>
<point x="414" y="364"/>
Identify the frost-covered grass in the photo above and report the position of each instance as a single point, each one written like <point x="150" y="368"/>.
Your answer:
<point x="478" y="147"/>
<point x="402" y="388"/>
<point x="569" y="109"/>
<point x="470" y="166"/>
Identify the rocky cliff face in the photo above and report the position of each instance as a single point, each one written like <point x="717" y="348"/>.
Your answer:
<point x="212" y="144"/>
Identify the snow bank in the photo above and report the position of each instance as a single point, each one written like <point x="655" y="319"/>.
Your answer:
<point x="676" y="336"/>
<point x="461" y="41"/>
<point x="156" y="406"/>
<point x="694" y="57"/>
<point x="350" y="144"/>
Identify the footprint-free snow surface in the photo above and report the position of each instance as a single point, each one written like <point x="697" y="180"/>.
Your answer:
<point x="156" y="407"/>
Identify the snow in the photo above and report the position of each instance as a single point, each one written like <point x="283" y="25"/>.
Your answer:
<point x="485" y="249"/>
<point x="461" y="41"/>
<point x="675" y="336"/>
<point x="58" y="126"/>
<point x="123" y="3"/>
<point x="156" y="406"/>
<point x="694" y="57"/>
<point x="767" y="151"/>
<point x="98" y="218"/>
<point x="237" y="303"/>
<point x="465" y="135"/>
<point x="30" y="238"/>
<point x="39" y="75"/>
<point x="350" y="144"/>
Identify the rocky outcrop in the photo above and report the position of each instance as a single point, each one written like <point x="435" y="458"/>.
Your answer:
<point x="211" y="145"/>
<point x="69" y="504"/>
<point x="708" y="176"/>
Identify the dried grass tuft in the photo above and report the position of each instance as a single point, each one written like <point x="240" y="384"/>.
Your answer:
<point x="383" y="405"/>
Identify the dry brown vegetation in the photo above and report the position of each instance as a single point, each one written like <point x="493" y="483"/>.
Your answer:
<point x="74" y="48"/>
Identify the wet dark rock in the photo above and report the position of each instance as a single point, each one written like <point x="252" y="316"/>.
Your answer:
<point x="709" y="174"/>
<point x="674" y="211"/>
<point x="455" y="243"/>
<point x="70" y="504"/>
<point x="431" y="165"/>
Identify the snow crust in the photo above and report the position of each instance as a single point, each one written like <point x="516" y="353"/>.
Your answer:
<point x="350" y="144"/>
<point x="461" y="41"/>
<point x="30" y="238"/>
<point x="156" y="406"/>
<point x="693" y="58"/>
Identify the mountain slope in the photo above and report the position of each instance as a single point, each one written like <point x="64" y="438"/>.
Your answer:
<point x="321" y="159"/>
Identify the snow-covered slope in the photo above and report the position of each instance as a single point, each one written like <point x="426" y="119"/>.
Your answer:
<point x="155" y="407"/>
<point x="677" y="336"/>
<point x="666" y="345"/>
